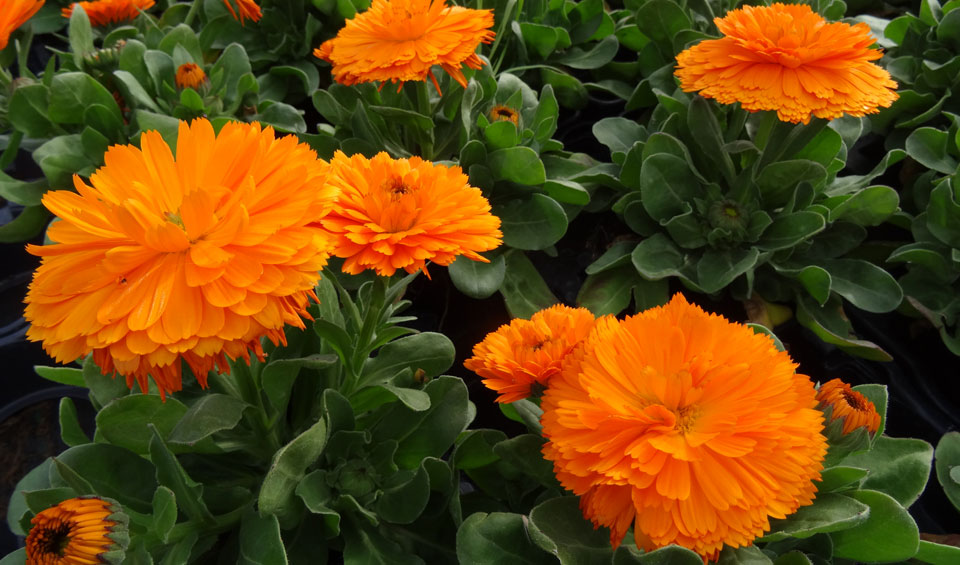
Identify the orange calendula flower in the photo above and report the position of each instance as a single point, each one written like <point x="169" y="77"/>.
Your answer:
<point x="400" y="213"/>
<point x="246" y="10"/>
<point x="789" y="59"/>
<point x="194" y="257"/>
<point x="519" y="359"/>
<point x="844" y="402"/>
<point x="693" y="429"/>
<point x="400" y="40"/>
<point x="78" y="531"/>
<point x="106" y="12"/>
<point x="15" y="13"/>
<point x="501" y="113"/>
<point x="190" y="75"/>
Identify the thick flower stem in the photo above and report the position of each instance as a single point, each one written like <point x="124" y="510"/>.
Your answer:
<point x="192" y="14"/>
<point x="424" y="106"/>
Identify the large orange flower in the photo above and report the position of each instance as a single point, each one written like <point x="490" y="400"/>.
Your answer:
<point x="14" y="14"/>
<point x="526" y="353"/>
<point x="194" y="258"/>
<point x="844" y="402"/>
<point x="693" y="429"/>
<point x="399" y="213"/>
<point x="399" y="40"/>
<point x="106" y="12"/>
<point x="789" y="59"/>
<point x="246" y="10"/>
<point x="78" y="531"/>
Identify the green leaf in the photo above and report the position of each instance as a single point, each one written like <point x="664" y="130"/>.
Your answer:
<point x="72" y="93"/>
<point x="37" y="478"/>
<point x="661" y="20"/>
<point x="836" y="478"/>
<point x="828" y="513"/>
<point x="558" y="526"/>
<point x="898" y="467"/>
<point x="288" y="468"/>
<point x="718" y="268"/>
<point x="169" y="472"/>
<point x="657" y="257"/>
<point x="365" y="546"/>
<point x="929" y="552"/>
<point x="667" y="186"/>
<point x="789" y="230"/>
<point x="867" y="207"/>
<point x="567" y="192"/>
<point x="133" y="92"/>
<point x="521" y="165"/>
<point x="81" y="35"/>
<point x="260" y="541"/>
<point x="476" y="279"/>
<point x="279" y="375"/>
<point x="542" y="38"/>
<point x="498" y="538"/>
<point x="103" y="388"/>
<point x="63" y="375"/>
<point x="427" y="433"/>
<point x="123" y="422"/>
<point x="114" y="472"/>
<point x="284" y="118"/>
<point x="525" y="453"/>
<point x="928" y="146"/>
<point x="608" y="292"/>
<point x="28" y="224"/>
<point x="27" y="111"/>
<point x="524" y="290"/>
<point x="60" y="158"/>
<point x="619" y="135"/>
<point x="211" y="414"/>
<point x="888" y="534"/>
<point x="778" y="181"/>
<point x="405" y="495"/>
<point x="16" y="557"/>
<point x="864" y="284"/>
<point x="429" y="351"/>
<point x="670" y="555"/>
<point x="943" y="214"/>
<point x="501" y="134"/>
<point x="226" y="73"/>
<point x="315" y="493"/>
<point x="597" y="56"/>
<point x="164" y="512"/>
<point x="167" y="126"/>
<point x="830" y="324"/>
<point x="532" y="223"/>
<point x="749" y="555"/>
<point x="948" y="461"/>
<point x="70" y="431"/>
<point x="616" y="255"/>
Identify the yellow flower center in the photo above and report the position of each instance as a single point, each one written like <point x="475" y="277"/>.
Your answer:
<point x="686" y="418"/>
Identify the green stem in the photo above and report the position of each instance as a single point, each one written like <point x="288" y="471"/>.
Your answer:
<point x="426" y="108"/>
<point x="192" y="14"/>
<point x="13" y="144"/>
<point x="258" y="420"/>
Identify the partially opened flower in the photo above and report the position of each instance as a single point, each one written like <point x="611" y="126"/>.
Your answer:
<point x="14" y="14"/>
<point x="693" y="429"/>
<point x="78" y="531"/>
<point x="193" y="258"/>
<point x="519" y="358"/>
<point x="400" y="40"/>
<point x="502" y="113"/>
<point x="787" y="58"/>
<point x="400" y="213"/>
<point x="246" y="10"/>
<point x="844" y="403"/>
<point x="106" y="12"/>
<point x="190" y="75"/>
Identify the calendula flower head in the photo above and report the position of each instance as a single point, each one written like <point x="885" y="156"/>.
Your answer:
<point x="502" y="113"/>
<point x="106" y="12"/>
<point x="190" y="75"/>
<point x="400" y="40"/>
<point x="246" y="10"/>
<point x="195" y="257"/>
<point x="519" y="358"/>
<point x="693" y="429"/>
<point x="787" y="58"/>
<point x="400" y="213"/>
<point x="78" y="531"/>
<point x="839" y="401"/>
<point x="14" y="14"/>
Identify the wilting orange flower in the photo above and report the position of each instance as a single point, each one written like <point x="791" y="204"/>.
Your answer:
<point x="246" y="10"/>
<point x="399" y="40"/>
<point x="194" y="258"/>
<point x="524" y="354"/>
<point x="399" y="213"/>
<point x="789" y="59"/>
<point x="190" y="75"/>
<point x="78" y="531"/>
<point x="694" y="429"/>
<point x="844" y="402"/>
<point x="106" y="12"/>
<point x="14" y="14"/>
<point x="501" y="113"/>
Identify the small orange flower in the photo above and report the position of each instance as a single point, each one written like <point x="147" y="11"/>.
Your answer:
<point x="846" y="403"/>
<point x="190" y="75"/>
<point x="789" y="59"/>
<point x="693" y="429"/>
<point x="399" y="213"/>
<point x="78" y="531"/>
<point x="14" y="14"/>
<point x="194" y="257"/>
<point x="106" y="12"/>
<point x="524" y="354"/>
<point x="246" y="10"/>
<point x="400" y="40"/>
<point x="501" y="113"/>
